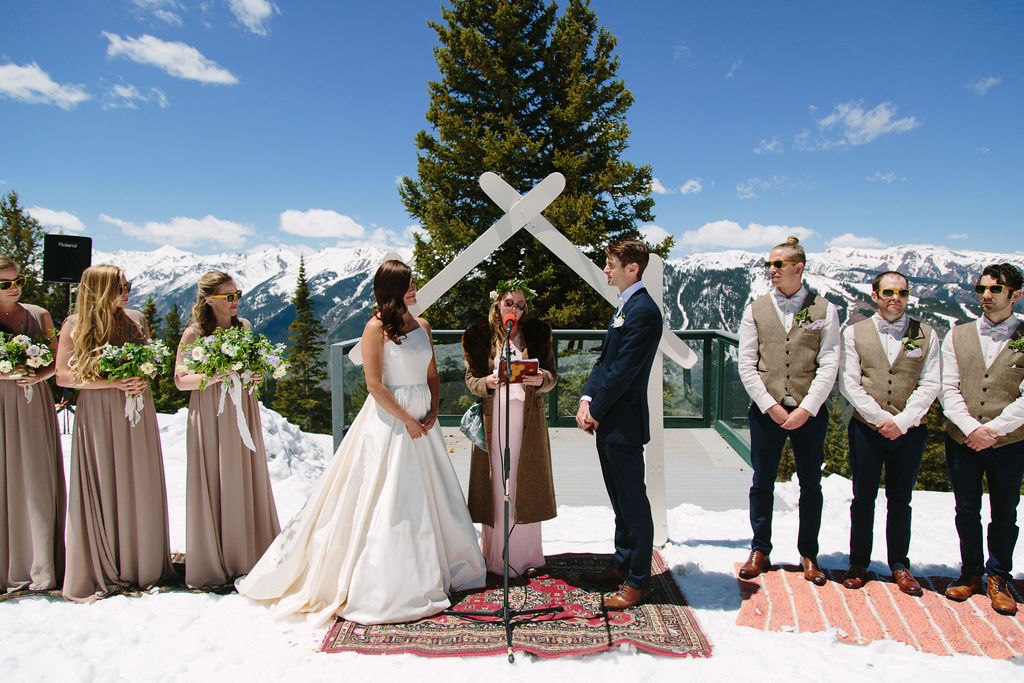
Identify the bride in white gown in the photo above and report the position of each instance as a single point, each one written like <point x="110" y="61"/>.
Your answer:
<point x="385" y="534"/>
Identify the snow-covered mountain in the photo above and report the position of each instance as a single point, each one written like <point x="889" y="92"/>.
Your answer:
<point x="706" y="290"/>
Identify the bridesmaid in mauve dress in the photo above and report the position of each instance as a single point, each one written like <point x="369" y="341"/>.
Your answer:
<point x="117" y="499"/>
<point x="31" y="465"/>
<point x="230" y="516"/>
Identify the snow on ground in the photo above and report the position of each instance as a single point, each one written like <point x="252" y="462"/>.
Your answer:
<point x="181" y="636"/>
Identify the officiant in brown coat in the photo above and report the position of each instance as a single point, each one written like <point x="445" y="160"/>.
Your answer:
<point x="531" y="488"/>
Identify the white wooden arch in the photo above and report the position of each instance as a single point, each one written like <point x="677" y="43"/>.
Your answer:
<point x="525" y="212"/>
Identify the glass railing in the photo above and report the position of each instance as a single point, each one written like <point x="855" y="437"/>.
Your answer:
<point x="707" y="395"/>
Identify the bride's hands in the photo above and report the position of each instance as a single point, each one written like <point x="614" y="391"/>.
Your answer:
<point x="415" y="429"/>
<point x="429" y="420"/>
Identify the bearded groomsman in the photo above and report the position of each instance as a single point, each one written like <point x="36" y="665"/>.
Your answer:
<point x="788" y="359"/>
<point x="890" y="374"/>
<point x="983" y="398"/>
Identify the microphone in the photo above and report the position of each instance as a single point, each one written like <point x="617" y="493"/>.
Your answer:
<point x="509" y="321"/>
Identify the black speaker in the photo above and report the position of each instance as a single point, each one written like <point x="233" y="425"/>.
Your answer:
<point x="65" y="257"/>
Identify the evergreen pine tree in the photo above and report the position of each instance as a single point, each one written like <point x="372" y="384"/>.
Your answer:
<point x="837" y="443"/>
<point x="149" y="313"/>
<point x="932" y="475"/>
<point x="166" y="397"/>
<point x="524" y="92"/>
<point x="21" y="239"/>
<point x="301" y="396"/>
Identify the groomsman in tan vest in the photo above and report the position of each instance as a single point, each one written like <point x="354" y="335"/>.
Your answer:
<point x="890" y="374"/>
<point x="788" y="358"/>
<point x="983" y="398"/>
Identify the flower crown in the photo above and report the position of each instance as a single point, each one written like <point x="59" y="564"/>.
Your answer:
<point x="513" y="285"/>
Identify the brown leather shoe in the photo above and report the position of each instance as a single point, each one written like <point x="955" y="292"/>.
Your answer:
<point x="812" y="573"/>
<point x="964" y="587"/>
<point x="907" y="583"/>
<point x="856" y="577"/>
<point x="1001" y="597"/>
<point x="609" y="576"/>
<point x="757" y="564"/>
<point x="626" y="597"/>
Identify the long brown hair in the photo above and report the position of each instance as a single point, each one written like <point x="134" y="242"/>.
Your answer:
<point x="202" y="314"/>
<point x="494" y="316"/>
<point x="390" y="283"/>
<point x="98" y="317"/>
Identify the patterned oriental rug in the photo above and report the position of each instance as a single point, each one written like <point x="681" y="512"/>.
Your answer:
<point x="663" y="626"/>
<point x="782" y="600"/>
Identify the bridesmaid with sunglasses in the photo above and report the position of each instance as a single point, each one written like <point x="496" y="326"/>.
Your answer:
<point x="31" y="464"/>
<point x="230" y="515"/>
<point x="531" y="487"/>
<point x="117" y="495"/>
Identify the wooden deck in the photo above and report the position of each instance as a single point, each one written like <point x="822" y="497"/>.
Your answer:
<point x="700" y="469"/>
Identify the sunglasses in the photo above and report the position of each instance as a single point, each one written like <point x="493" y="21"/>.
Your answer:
<point x="228" y="297"/>
<point x="16" y="282"/>
<point x="995" y="289"/>
<point x="889" y="293"/>
<point x="509" y="303"/>
<point x="126" y="287"/>
<point x="777" y="264"/>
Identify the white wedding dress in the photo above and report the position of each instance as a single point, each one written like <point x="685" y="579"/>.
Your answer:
<point x="386" y="533"/>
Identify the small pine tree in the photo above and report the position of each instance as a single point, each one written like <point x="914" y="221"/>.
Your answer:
<point x="149" y="313"/>
<point x="933" y="476"/>
<point x="21" y="240"/>
<point x="837" y="443"/>
<point x="301" y="396"/>
<point x="166" y="397"/>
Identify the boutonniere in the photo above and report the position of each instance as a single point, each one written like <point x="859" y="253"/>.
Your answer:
<point x="802" y="317"/>
<point x="1018" y="345"/>
<point x="909" y="343"/>
<point x="618" y="320"/>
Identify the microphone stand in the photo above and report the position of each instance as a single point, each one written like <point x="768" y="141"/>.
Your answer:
<point x="504" y="612"/>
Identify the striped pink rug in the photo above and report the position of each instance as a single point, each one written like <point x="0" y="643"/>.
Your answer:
<point x="782" y="600"/>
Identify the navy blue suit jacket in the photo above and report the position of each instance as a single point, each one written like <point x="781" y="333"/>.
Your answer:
<point x="618" y="383"/>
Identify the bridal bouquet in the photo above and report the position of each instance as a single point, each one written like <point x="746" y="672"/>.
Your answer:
<point x="133" y="360"/>
<point x="240" y="358"/>
<point x="20" y="353"/>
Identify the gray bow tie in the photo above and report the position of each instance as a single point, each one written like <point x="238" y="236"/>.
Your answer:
<point x="996" y="332"/>
<point x="788" y="304"/>
<point x="892" y="329"/>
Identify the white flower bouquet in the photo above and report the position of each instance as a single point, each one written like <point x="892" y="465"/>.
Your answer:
<point x="19" y="354"/>
<point x="133" y="360"/>
<point x="239" y="358"/>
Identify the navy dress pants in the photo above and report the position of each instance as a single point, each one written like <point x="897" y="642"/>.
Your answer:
<point x="623" y="470"/>
<point x="808" y="444"/>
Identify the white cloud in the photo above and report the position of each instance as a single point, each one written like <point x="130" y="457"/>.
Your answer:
<point x="983" y="85"/>
<point x="33" y="85"/>
<point x="417" y="231"/>
<point x="984" y="150"/>
<point x="736" y="64"/>
<point x="129" y="97"/>
<point x="682" y="53"/>
<point x="254" y="14"/>
<point x="731" y="234"/>
<point x="654" y="234"/>
<point x="658" y="188"/>
<point x="889" y="177"/>
<point x="56" y="219"/>
<point x="957" y="236"/>
<point x="181" y="231"/>
<point x="177" y="59"/>
<point x="753" y="186"/>
<point x="164" y="10"/>
<point x="322" y="223"/>
<point x="849" y="125"/>
<point x="692" y="186"/>
<point x="767" y="146"/>
<point x="850" y="240"/>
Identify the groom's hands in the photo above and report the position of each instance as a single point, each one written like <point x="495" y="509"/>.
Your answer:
<point x="583" y="419"/>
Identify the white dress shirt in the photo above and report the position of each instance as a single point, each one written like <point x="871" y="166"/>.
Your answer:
<point x="928" y="384"/>
<point x="828" y="353"/>
<point x="993" y="341"/>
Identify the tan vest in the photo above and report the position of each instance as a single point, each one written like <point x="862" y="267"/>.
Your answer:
<point x="787" y="361"/>
<point x="890" y="386"/>
<point x="986" y="391"/>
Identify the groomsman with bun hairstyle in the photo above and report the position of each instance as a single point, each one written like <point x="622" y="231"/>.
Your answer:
<point x="983" y="398"/>
<point x="788" y="359"/>
<point x="890" y="374"/>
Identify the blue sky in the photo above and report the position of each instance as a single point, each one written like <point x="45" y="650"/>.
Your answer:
<point x="223" y="125"/>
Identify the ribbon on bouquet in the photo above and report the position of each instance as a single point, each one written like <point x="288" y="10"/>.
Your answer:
<point x="133" y="407"/>
<point x="28" y="393"/>
<point x="232" y="386"/>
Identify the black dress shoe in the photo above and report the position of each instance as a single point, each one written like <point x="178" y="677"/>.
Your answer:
<point x="609" y="576"/>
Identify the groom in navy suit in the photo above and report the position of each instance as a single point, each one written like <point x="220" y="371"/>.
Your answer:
<point x="614" y="406"/>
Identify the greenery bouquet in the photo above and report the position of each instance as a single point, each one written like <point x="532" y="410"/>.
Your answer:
<point x="133" y="360"/>
<point x="239" y="358"/>
<point x="20" y="354"/>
